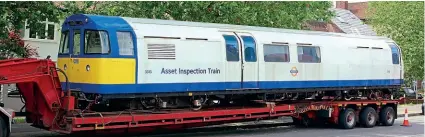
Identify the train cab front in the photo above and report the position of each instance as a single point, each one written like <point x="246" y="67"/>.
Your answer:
<point x="97" y="54"/>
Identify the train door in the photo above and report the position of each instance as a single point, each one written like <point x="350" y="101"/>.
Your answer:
<point x="241" y="60"/>
<point x="233" y="61"/>
<point x="249" y="61"/>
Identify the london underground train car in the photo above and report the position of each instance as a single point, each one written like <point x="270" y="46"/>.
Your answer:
<point x="121" y="62"/>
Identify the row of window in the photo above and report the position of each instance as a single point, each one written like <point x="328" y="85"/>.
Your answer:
<point x="280" y="53"/>
<point x="272" y="52"/>
<point x="97" y="42"/>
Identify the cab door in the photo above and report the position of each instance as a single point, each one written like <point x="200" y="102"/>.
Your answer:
<point x="64" y="56"/>
<point x="69" y="52"/>
<point x="75" y="55"/>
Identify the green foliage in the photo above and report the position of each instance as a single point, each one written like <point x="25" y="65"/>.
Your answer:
<point x="14" y="46"/>
<point x="266" y="13"/>
<point x="12" y="19"/>
<point x="404" y="23"/>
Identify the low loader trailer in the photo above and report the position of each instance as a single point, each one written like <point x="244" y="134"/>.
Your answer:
<point x="50" y="107"/>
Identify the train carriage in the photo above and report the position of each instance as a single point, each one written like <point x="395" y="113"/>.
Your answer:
<point x="151" y="61"/>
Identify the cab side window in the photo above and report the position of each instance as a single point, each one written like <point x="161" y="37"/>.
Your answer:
<point x="64" y="43"/>
<point x="125" y="43"/>
<point x="395" y="54"/>
<point x="96" y="42"/>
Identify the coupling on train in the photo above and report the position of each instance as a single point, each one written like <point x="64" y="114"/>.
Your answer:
<point x="114" y="63"/>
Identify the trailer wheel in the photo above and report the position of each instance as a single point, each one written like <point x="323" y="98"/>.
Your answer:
<point x="368" y="117"/>
<point x="347" y="119"/>
<point x="303" y="122"/>
<point x="3" y="128"/>
<point x="296" y="122"/>
<point x="386" y="116"/>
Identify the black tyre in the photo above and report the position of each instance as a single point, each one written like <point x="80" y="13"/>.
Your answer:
<point x="304" y="122"/>
<point x="387" y="116"/>
<point x="368" y="117"/>
<point x="296" y="121"/>
<point x="347" y="119"/>
<point x="3" y="128"/>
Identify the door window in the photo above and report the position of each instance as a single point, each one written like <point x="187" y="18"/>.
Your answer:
<point x="232" y="48"/>
<point x="250" y="50"/>
<point x="76" y="48"/>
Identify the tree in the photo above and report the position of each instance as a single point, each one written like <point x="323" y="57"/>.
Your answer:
<point x="404" y="23"/>
<point x="12" y="20"/>
<point x="278" y="14"/>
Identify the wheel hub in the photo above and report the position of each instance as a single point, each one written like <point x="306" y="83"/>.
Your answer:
<point x="350" y="119"/>
<point x="389" y="116"/>
<point x="370" y="118"/>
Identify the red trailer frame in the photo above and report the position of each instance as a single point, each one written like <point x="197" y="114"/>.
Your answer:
<point x="48" y="107"/>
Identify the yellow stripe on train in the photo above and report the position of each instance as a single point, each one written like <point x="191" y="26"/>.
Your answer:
<point x="101" y="70"/>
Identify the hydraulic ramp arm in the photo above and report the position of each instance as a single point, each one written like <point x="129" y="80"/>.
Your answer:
<point x="38" y="82"/>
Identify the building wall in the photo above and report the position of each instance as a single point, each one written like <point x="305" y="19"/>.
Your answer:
<point x="47" y="45"/>
<point x="359" y="9"/>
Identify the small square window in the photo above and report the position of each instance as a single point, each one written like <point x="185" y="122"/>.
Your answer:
<point x="309" y="54"/>
<point x="51" y="31"/>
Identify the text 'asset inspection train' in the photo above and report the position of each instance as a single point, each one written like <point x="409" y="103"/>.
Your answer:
<point x="118" y="74"/>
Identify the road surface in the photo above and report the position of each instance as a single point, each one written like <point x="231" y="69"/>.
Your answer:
<point x="416" y="130"/>
<point x="13" y="102"/>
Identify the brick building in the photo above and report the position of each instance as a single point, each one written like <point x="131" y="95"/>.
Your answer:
<point x="350" y="18"/>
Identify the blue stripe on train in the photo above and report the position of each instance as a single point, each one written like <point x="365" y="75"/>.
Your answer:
<point x="205" y="86"/>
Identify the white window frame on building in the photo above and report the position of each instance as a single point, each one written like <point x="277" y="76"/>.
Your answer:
<point x="49" y="27"/>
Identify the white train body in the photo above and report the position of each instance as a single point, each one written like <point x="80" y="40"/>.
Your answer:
<point x="118" y="55"/>
<point x="168" y="49"/>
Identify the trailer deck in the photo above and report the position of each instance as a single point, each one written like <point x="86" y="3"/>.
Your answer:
<point x="51" y="108"/>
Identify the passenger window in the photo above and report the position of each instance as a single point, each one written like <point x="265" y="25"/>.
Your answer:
<point x="76" y="47"/>
<point x="250" y="50"/>
<point x="276" y="53"/>
<point x="64" y="43"/>
<point x="125" y="43"/>
<point x="308" y="54"/>
<point x="395" y="53"/>
<point x="232" y="48"/>
<point x="96" y="42"/>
